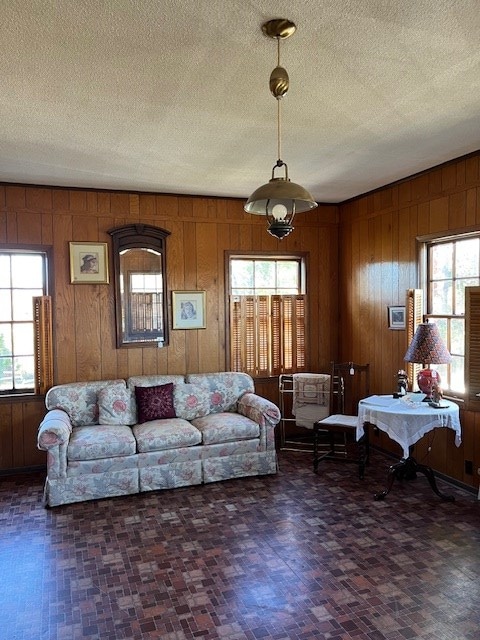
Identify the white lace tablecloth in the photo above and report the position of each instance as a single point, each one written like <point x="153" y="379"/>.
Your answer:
<point x="406" y="421"/>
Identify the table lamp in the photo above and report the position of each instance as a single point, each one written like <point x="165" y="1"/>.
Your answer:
<point x="426" y="348"/>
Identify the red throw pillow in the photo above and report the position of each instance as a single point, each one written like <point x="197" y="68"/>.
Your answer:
<point x="155" y="403"/>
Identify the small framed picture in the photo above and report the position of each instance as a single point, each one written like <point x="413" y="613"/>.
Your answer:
<point x="88" y="263"/>
<point x="188" y="309"/>
<point x="396" y="317"/>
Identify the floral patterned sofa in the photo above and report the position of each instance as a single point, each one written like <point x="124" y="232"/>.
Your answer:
<point x="116" y="437"/>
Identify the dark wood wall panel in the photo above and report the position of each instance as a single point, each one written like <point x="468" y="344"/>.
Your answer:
<point x="19" y="422"/>
<point x="202" y="230"/>
<point x="378" y="263"/>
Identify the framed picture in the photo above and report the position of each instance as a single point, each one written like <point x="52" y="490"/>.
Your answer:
<point x="396" y="317"/>
<point x="88" y="263"/>
<point x="188" y="309"/>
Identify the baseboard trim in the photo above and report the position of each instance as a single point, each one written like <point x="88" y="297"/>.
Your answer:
<point x="22" y="470"/>
<point x="438" y="474"/>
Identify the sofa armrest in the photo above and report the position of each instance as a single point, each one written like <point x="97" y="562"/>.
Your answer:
<point x="54" y="430"/>
<point x="259" y="409"/>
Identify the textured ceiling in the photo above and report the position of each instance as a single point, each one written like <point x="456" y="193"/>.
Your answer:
<point x="172" y="95"/>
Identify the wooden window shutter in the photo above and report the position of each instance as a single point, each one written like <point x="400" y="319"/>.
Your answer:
<point x="243" y="341"/>
<point x="276" y="344"/>
<point x="235" y="333"/>
<point x="288" y="334"/>
<point x="248" y="334"/>
<point x="472" y="347"/>
<point x="43" y="343"/>
<point x="300" y="331"/>
<point x="267" y="334"/>
<point x="414" y="313"/>
<point x="263" y="335"/>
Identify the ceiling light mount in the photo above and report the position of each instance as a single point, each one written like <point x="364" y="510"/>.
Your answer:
<point x="279" y="199"/>
<point x="279" y="28"/>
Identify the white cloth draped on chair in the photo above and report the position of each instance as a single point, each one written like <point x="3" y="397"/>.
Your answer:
<point x="311" y="397"/>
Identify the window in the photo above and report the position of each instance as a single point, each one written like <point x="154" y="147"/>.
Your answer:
<point x="452" y="265"/>
<point x="22" y="281"/>
<point x="267" y="315"/>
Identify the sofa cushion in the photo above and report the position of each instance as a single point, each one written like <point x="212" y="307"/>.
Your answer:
<point x="153" y="380"/>
<point x="191" y="401"/>
<point x="155" y="403"/>
<point x="78" y="399"/>
<point x="101" y="441"/>
<point x="224" y="389"/>
<point x="226" y="427"/>
<point x="115" y="405"/>
<point x="172" y="433"/>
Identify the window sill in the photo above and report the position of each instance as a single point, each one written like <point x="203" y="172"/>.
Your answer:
<point x="457" y="399"/>
<point x="21" y="397"/>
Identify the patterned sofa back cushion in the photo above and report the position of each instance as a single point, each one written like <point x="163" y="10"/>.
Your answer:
<point x="224" y="389"/>
<point x="191" y="401"/>
<point x="79" y="400"/>
<point x="150" y="381"/>
<point x="115" y="406"/>
<point x="153" y="380"/>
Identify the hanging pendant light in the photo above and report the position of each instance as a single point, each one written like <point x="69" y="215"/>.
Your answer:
<point x="279" y="199"/>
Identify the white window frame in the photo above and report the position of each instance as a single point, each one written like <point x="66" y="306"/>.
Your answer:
<point x="37" y="323"/>
<point x="444" y="320"/>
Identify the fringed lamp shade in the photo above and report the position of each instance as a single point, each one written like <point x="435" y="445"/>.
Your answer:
<point x="427" y="347"/>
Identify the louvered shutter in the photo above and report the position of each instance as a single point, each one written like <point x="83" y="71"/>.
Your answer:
<point x="414" y="311"/>
<point x="263" y="335"/>
<point x="276" y="342"/>
<point x="300" y="334"/>
<point x="43" y="343"/>
<point x="286" y="333"/>
<point x="236" y="342"/>
<point x="248" y="333"/>
<point x="472" y="347"/>
<point x="243" y="338"/>
<point x="267" y="334"/>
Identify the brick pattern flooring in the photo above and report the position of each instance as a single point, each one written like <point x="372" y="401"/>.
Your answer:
<point x="296" y="555"/>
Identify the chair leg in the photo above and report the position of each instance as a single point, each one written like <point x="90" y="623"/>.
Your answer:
<point x="316" y="456"/>
<point x="363" y="447"/>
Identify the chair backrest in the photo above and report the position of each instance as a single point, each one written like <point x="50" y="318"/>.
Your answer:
<point x="350" y="384"/>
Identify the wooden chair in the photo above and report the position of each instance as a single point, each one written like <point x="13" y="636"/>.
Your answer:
<point x="350" y="383"/>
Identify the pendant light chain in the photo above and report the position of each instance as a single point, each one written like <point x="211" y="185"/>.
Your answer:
<point x="279" y="133"/>
<point x="279" y="113"/>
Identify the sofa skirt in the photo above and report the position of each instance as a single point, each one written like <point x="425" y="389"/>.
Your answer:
<point x="91" y="486"/>
<point x="238" y="466"/>
<point x="171" y="475"/>
<point x="92" y="480"/>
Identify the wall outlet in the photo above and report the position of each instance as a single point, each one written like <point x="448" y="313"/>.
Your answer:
<point x="469" y="467"/>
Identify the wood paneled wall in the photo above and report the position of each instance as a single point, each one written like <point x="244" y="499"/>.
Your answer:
<point x="202" y="229"/>
<point x="362" y="258"/>
<point x="378" y="263"/>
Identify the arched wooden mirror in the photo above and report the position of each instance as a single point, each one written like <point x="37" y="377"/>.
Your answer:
<point x="139" y="262"/>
